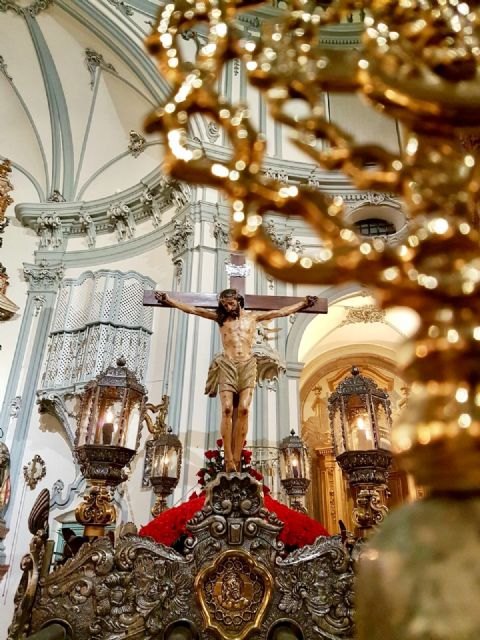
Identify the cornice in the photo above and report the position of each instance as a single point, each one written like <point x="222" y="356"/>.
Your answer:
<point x="148" y="199"/>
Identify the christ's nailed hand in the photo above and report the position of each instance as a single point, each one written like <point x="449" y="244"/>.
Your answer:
<point x="162" y="297"/>
<point x="310" y="301"/>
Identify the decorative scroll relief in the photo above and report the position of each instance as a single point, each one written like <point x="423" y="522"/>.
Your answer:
<point x="285" y="241"/>
<point x="122" y="220"/>
<point x="237" y="270"/>
<point x="95" y="60"/>
<point x="88" y="227"/>
<point x="365" y="314"/>
<point x="3" y="69"/>
<point x="122" y="6"/>
<point x="137" y="144"/>
<point x="98" y="317"/>
<point x="177" y="241"/>
<point x="233" y="561"/>
<point x="33" y="9"/>
<point x="56" y="196"/>
<point x="34" y="471"/>
<point x="220" y="231"/>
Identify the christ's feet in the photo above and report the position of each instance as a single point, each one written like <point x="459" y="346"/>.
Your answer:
<point x="230" y="466"/>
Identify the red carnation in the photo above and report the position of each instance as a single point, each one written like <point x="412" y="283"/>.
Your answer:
<point x="201" y="473"/>
<point x="255" y="474"/>
<point x="247" y="456"/>
<point x="298" y="529"/>
<point x="219" y="443"/>
<point x="211" y="454"/>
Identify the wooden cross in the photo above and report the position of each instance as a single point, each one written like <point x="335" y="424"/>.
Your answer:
<point x="252" y="302"/>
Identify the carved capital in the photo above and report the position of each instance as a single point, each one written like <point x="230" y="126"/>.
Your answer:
<point x="33" y="9"/>
<point x="44" y="276"/>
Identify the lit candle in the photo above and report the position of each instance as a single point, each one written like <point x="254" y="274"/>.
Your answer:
<point x="108" y="428"/>
<point x="295" y="467"/>
<point x="364" y="434"/>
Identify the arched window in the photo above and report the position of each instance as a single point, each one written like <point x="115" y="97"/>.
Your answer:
<point x="375" y="227"/>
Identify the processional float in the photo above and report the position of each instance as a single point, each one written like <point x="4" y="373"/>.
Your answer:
<point x="417" y="63"/>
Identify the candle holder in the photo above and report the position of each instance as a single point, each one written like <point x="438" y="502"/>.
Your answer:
<point x="361" y="420"/>
<point x="164" y="453"/>
<point x="107" y="437"/>
<point x="294" y="470"/>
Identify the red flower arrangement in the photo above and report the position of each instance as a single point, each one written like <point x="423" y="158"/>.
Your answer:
<point x="171" y="525"/>
<point x="215" y="463"/>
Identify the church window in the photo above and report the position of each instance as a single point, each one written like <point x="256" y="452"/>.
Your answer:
<point x="373" y="227"/>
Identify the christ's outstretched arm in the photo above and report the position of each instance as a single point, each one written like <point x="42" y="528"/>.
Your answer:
<point x="186" y="308"/>
<point x="309" y="301"/>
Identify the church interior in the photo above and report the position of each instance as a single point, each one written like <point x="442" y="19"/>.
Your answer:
<point x="304" y="466"/>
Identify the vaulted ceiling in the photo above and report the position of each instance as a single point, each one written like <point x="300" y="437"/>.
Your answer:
<point x="75" y="81"/>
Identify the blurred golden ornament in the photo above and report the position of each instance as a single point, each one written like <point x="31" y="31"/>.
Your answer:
<point x="418" y="63"/>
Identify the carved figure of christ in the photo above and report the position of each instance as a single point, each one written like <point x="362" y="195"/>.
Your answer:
<point x="233" y="373"/>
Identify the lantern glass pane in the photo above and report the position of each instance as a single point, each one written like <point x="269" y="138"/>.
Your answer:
<point x="283" y="465"/>
<point x="87" y="409"/>
<point x="359" y="426"/>
<point x="132" y="419"/>
<point x="165" y="461"/>
<point x="338" y="432"/>
<point x="383" y="425"/>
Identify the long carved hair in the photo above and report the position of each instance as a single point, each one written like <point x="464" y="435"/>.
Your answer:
<point x="222" y="313"/>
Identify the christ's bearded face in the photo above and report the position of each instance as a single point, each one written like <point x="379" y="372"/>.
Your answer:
<point x="231" y="306"/>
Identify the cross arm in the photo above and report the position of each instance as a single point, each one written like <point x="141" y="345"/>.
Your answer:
<point x="252" y="302"/>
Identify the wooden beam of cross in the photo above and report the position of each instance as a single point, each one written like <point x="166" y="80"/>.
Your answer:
<point x="237" y="281"/>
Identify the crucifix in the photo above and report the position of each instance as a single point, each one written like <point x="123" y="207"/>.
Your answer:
<point x="233" y="373"/>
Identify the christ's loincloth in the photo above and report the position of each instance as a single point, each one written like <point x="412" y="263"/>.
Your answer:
<point x="228" y="375"/>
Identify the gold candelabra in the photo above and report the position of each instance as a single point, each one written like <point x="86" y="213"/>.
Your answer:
<point x="417" y="63"/>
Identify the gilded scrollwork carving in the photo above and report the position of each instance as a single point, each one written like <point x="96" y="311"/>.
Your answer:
<point x="31" y="566"/>
<point x="5" y="185"/>
<point x="34" y="471"/>
<point x="33" y="9"/>
<point x="95" y="60"/>
<point x="7" y="307"/>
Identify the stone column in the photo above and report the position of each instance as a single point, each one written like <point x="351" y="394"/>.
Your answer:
<point x="43" y="279"/>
